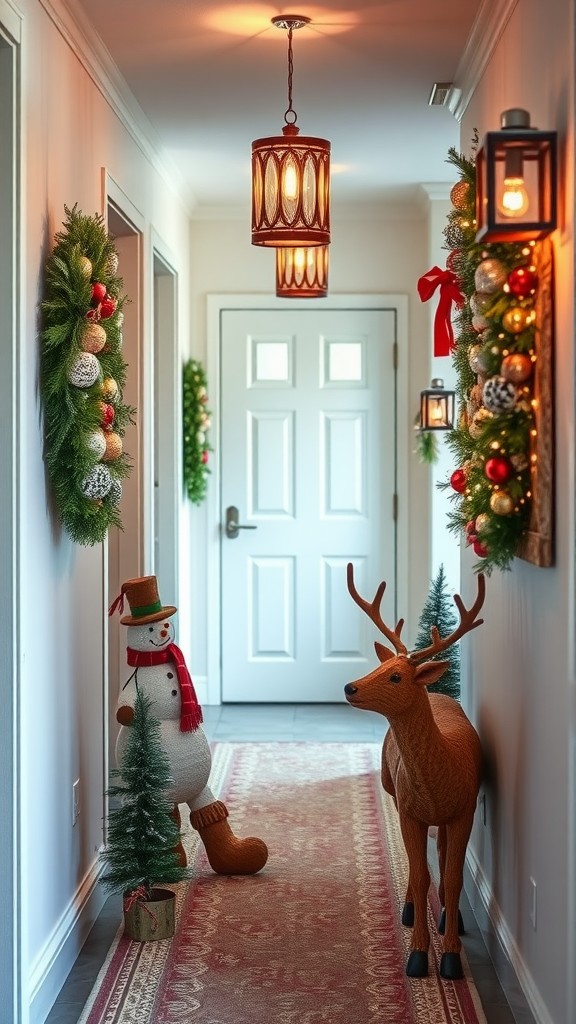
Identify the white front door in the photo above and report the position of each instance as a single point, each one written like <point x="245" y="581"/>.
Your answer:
<point x="308" y="471"/>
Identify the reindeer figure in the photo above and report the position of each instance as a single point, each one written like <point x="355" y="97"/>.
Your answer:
<point x="431" y="766"/>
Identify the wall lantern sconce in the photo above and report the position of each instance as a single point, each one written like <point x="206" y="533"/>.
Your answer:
<point x="290" y="176"/>
<point x="437" y="407"/>
<point x="302" y="273"/>
<point x="516" y="182"/>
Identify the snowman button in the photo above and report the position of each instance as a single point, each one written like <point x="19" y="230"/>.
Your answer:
<point x="170" y="675"/>
<point x="174" y="692"/>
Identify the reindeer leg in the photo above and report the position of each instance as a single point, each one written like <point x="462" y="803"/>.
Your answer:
<point x="415" y="834"/>
<point x="458" y="834"/>
<point x="441" y="846"/>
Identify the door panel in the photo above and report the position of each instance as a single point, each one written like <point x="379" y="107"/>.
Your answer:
<point x="308" y="459"/>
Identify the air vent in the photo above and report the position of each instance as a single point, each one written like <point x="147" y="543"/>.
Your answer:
<point x="440" y="94"/>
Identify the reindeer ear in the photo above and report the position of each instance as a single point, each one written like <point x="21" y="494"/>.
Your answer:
<point x="383" y="653"/>
<point x="430" y="672"/>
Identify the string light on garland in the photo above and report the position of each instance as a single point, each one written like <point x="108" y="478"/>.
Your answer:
<point x="196" y="425"/>
<point x="494" y="356"/>
<point x="80" y="356"/>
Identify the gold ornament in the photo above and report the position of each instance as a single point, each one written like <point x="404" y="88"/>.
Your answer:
<point x="501" y="503"/>
<point x="113" y="447"/>
<point x="459" y="195"/>
<point x="93" y="338"/>
<point x="109" y="389"/>
<point x="111" y="265"/>
<point x="477" y="359"/>
<point x="475" y="397"/>
<point x="516" y="367"/>
<point x="478" y="423"/>
<point x="516" y="319"/>
<point x="482" y="521"/>
<point x="85" y="267"/>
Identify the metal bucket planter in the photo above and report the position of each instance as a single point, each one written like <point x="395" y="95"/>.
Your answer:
<point x="150" y="920"/>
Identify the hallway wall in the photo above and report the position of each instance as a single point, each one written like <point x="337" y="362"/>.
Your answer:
<point x="521" y="662"/>
<point x="69" y="132"/>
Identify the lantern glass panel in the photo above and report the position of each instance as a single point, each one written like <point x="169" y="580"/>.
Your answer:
<point x="516" y="186"/>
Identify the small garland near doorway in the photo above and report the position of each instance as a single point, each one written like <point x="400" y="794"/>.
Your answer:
<point x="81" y="379"/>
<point x="196" y="424"/>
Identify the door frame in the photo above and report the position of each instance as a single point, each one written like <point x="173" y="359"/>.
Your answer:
<point x="216" y="306"/>
<point x="14" y="981"/>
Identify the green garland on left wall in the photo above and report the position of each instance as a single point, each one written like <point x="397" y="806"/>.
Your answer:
<point x="82" y="376"/>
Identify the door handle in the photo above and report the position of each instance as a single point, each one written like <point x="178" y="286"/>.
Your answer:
<point x="232" y="525"/>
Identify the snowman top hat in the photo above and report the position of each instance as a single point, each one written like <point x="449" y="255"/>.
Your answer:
<point x="145" y="604"/>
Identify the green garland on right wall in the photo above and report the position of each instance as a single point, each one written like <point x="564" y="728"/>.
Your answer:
<point x="494" y="358"/>
<point x="196" y="423"/>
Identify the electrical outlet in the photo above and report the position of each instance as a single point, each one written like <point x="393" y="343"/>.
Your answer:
<point x="75" y="801"/>
<point x="533" y="902"/>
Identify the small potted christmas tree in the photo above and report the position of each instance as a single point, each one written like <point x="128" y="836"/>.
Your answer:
<point x="142" y="835"/>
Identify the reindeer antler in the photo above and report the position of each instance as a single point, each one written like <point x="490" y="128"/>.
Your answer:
<point x="468" y="621"/>
<point x="373" y="611"/>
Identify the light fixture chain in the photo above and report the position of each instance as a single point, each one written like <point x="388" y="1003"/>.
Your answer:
<point x="290" y="109"/>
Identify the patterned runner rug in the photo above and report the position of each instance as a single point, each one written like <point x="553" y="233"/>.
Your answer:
<point x="316" y="937"/>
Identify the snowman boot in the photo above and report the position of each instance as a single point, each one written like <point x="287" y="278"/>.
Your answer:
<point x="227" y="854"/>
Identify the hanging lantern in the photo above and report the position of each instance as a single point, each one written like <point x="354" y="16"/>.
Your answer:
<point x="302" y="273"/>
<point x="437" y="407"/>
<point x="290" y="176"/>
<point x="516" y="182"/>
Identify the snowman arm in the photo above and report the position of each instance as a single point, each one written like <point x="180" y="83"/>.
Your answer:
<point x="130" y="678"/>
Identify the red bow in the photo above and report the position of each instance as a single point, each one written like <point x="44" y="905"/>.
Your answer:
<point x="449" y="293"/>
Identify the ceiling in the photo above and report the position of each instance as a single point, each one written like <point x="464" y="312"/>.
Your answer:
<point x="212" y="76"/>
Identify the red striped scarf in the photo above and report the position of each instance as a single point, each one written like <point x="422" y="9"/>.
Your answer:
<point x="191" y="714"/>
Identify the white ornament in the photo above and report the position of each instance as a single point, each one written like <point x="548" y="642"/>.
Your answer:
<point x="479" y="323"/>
<point x="115" y="492"/>
<point x="499" y="394"/>
<point x="96" y="442"/>
<point x="84" y="371"/>
<point x="97" y="483"/>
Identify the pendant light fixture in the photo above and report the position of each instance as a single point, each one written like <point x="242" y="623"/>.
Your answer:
<point x="290" y="176"/>
<point x="302" y="273"/>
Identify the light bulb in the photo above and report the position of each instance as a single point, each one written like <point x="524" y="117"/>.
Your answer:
<point x="513" y="201"/>
<point x="300" y="259"/>
<point x="290" y="181"/>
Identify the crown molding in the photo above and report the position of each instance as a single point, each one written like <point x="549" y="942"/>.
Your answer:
<point x="75" y="28"/>
<point x="488" y="26"/>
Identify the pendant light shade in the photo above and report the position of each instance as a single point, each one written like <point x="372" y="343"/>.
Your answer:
<point x="290" y="177"/>
<point x="302" y="273"/>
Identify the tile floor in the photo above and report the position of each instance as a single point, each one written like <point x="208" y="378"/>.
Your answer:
<point x="315" y="723"/>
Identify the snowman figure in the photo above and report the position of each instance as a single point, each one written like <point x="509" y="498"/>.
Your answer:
<point x="160" y="672"/>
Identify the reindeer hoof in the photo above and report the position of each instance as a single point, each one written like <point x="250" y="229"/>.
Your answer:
<point x="442" y="923"/>
<point x="451" y="967"/>
<point x="417" y="965"/>
<point x="408" y="915"/>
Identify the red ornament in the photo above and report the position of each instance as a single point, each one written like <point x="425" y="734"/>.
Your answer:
<point x="452" y="259"/>
<point x="107" y="414"/>
<point x="522" y="281"/>
<point x="470" y="527"/>
<point x="480" y="549"/>
<point x="93" y="315"/>
<point x="107" y="307"/>
<point x="458" y="480"/>
<point x="204" y="457"/>
<point x="498" y="469"/>
<point x="98" y="292"/>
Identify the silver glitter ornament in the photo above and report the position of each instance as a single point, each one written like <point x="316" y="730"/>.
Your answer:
<point x="490" y="276"/>
<point x="499" y="394"/>
<point x="115" y="492"/>
<point x="480" y="302"/>
<point x="96" y="442"/>
<point x="84" y="371"/>
<point x="98" y="482"/>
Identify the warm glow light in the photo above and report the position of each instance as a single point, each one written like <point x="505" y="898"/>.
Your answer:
<point x="514" y="201"/>
<point x="290" y="182"/>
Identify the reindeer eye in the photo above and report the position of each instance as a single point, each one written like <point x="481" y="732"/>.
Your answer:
<point x="395" y="677"/>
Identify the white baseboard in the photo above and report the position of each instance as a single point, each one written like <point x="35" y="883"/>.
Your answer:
<point x="509" y="964"/>
<point x="55" y="960"/>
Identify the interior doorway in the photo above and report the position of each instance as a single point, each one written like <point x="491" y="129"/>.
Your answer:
<point x="322" y="427"/>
